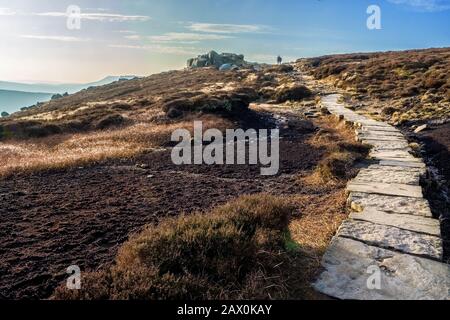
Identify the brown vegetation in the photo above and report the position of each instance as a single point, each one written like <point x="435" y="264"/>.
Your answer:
<point x="69" y="150"/>
<point x="233" y="252"/>
<point x="294" y="93"/>
<point x="161" y="98"/>
<point x="340" y="163"/>
<point x="411" y="85"/>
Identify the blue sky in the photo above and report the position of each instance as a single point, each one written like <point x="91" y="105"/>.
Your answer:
<point x="138" y="37"/>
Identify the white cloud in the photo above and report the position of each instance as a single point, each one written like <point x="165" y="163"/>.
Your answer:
<point x="7" y="12"/>
<point x="186" y="37"/>
<point x="54" y="38"/>
<point x="425" y="5"/>
<point x="133" y="37"/>
<point x="98" y="9"/>
<point x="226" y="28"/>
<point x="160" y="49"/>
<point x="127" y="31"/>
<point x="110" y="17"/>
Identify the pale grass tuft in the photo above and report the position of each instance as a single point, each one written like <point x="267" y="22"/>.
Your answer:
<point x="69" y="150"/>
<point x="78" y="149"/>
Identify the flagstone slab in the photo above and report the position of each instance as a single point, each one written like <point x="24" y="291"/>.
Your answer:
<point x="381" y="156"/>
<point x="392" y="189"/>
<point x="369" y="136"/>
<point x="402" y="163"/>
<point x="378" y="128"/>
<point x="396" y="168"/>
<point x="380" y="133"/>
<point x="350" y="265"/>
<point x="390" y="204"/>
<point x="386" y="145"/>
<point x="372" y="123"/>
<point x="411" y="161"/>
<point x="393" y="154"/>
<point x="389" y="176"/>
<point x="402" y="221"/>
<point x="388" y="237"/>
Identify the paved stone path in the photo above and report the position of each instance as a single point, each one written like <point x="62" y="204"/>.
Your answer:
<point x="391" y="235"/>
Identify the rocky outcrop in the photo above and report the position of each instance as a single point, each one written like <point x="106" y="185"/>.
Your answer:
<point x="226" y="61"/>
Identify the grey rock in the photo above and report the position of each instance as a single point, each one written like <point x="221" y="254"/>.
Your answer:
<point x="402" y="221"/>
<point x="398" y="162"/>
<point x="390" y="189"/>
<point x="378" y="128"/>
<point x="389" y="176"/>
<point x="386" y="145"/>
<point x="379" y="133"/>
<point x="372" y="123"/>
<point x="213" y="59"/>
<point x="393" y="238"/>
<point x="400" y="205"/>
<point x="393" y="154"/>
<point x="349" y="265"/>
<point x="371" y="136"/>
<point x="421" y="171"/>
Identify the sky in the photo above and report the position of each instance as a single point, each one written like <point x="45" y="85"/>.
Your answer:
<point x="41" y="42"/>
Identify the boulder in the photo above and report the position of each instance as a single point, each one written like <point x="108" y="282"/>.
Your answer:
<point x="213" y="59"/>
<point x="421" y="128"/>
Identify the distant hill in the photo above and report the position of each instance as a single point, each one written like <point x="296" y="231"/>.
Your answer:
<point x="57" y="88"/>
<point x="11" y="101"/>
<point x="15" y="95"/>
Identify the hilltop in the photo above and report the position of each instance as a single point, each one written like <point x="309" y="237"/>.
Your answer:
<point x="403" y="87"/>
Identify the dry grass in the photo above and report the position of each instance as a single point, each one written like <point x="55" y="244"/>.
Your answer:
<point x="343" y="151"/>
<point x="67" y="150"/>
<point x="312" y="232"/>
<point x="294" y="93"/>
<point x="398" y="86"/>
<point x="233" y="252"/>
<point x="319" y="221"/>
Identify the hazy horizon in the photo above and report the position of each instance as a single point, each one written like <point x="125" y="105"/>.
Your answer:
<point x="142" y="38"/>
